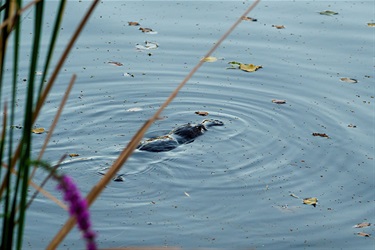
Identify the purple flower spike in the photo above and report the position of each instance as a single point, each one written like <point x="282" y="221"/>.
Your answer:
<point x="78" y="208"/>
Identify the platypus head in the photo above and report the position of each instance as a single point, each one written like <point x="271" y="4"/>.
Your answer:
<point x="210" y="122"/>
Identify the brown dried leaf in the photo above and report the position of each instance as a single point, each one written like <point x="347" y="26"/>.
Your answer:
<point x="371" y="24"/>
<point x="278" y="101"/>
<point x="247" y="18"/>
<point x="362" y="225"/>
<point x="38" y="130"/>
<point x="279" y="26"/>
<point x="73" y="155"/>
<point x="320" y="134"/>
<point x="201" y="113"/>
<point x="145" y="30"/>
<point x="349" y="80"/>
<point x="115" y="63"/>
<point x="363" y="234"/>
<point x="133" y="23"/>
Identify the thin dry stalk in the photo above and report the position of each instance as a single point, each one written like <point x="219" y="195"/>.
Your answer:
<point x="41" y="190"/>
<point x="51" y="173"/>
<point x="55" y="120"/>
<point x="11" y="20"/>
<point x="98" y="188"/>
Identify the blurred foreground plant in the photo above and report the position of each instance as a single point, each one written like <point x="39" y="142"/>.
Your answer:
<point x="16" y="159"/>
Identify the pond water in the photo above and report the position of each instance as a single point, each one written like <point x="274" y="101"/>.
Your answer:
<point x="235" y="186"/>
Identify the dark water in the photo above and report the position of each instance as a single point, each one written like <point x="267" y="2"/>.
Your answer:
<point x="231" y="187"/>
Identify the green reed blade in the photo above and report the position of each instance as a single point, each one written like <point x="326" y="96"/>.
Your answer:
<point x="24" y="163"/>
<point x="55" y="32"/>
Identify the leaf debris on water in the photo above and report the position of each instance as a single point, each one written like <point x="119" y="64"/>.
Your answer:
<point x="209" y="59"/>
<point x="73" y="155"/>
<point x="294" y="196"/>
<point x="278" y="101"/>
<point x="38" y="130"/>
<point x="188" y="195"/>
<point x="349" y="80"/>
<point x="310" y="201"/>
<point x="247" y="18"/>
<point x="148" y="30"/>
<point x="250" y="67"/>
<point x="115" y="63"/>
<point x="320" y="134"/>
<point x="328" y="13"/>
<point x="363" y="234"/>
<point x="133" y="23"/>
<point x="279" y="26"/>
<point x="371" y="24"/>
<point x="201" y="113"/>
<point x="362" y="225"/>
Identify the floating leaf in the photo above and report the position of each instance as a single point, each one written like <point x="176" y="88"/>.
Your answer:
<point x="371" y="24"/>
<point x="328" y="13"/>
<point x="310" y="201"/>
<point x="249" y="67"/>
<point x="73" y="155"/>
<point x="209" y="59"/>
<point x="201" y="113"/>
<point x="279" y="101"/>
<point x="294" y="196"/>
<point x="147" y="30"/>
<point x="188" y="195"/>
<point x="133" y="23"/>
<point x="246" y="18"/>
<point x="115" y="63"/>
<point x="279" y="26"/>
<point x="320" y="134"/>
<point x="38" y="130"/>
<point x="362" y="225"/>
<point x="363" y="234"/>
<point x="349" y="80"/>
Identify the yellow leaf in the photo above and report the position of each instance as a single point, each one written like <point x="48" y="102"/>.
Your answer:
<point x="250" y="67"/>
<point x="362" y="225"/>
<point x="73" y="155"/>
<point x="310" y="201"/>
<point x="371" y="24"/>
<point x="209" y="59"/>
<point x="38" y="130"/>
